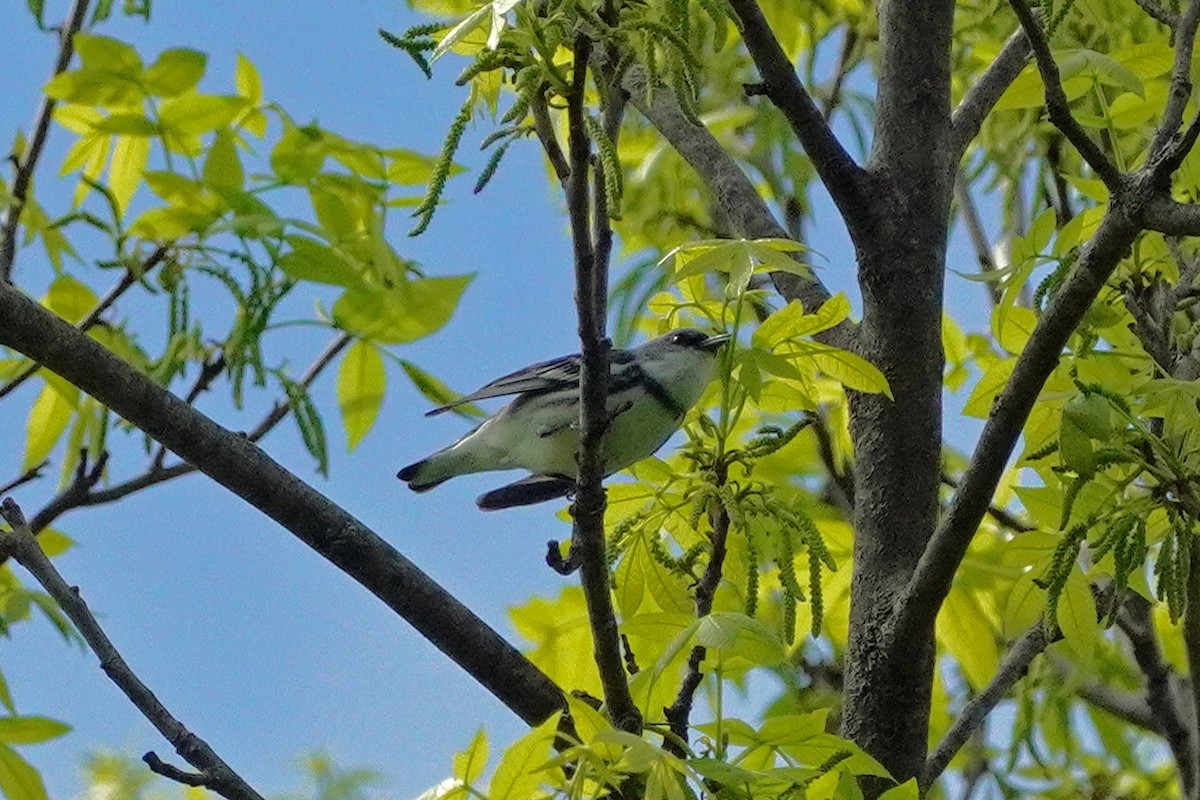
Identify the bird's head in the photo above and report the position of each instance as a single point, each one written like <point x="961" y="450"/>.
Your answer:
<point x="688" y="339"/>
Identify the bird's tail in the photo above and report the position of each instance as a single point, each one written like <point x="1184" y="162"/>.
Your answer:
<point x="429" y="472"/>
<point x="527" y="491"/>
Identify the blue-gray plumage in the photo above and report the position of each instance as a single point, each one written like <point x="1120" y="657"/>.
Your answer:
<point x="650" y="389"/>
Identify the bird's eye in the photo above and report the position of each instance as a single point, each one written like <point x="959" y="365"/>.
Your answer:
<point x="676" y="338"/>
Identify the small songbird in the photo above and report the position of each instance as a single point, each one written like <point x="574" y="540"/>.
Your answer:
<point x="650" y="388"/>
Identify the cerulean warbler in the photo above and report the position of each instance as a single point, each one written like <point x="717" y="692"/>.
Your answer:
<point x="650" y="388"/>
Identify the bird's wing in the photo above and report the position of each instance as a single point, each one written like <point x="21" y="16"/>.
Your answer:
<point x="557" y="373"/>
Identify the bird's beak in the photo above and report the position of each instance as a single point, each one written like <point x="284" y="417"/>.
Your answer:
<point x="713" y="342"/>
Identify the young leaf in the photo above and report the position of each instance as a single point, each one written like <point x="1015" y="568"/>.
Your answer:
<point x="361" y="384"/>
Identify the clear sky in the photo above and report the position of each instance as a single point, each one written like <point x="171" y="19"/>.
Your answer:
<point x="256" y="643"/>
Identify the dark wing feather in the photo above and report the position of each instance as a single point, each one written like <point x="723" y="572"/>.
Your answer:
<point x="557" y="373"/>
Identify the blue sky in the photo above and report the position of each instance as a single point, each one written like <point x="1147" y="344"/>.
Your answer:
<point x="253" y="641"/>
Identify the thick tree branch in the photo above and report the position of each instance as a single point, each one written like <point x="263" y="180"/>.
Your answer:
<point x="918" y="606"/>
<point x="88" y="322"/>
<point x="214" y="773"/>
<point x="1126" y="706"/>
<point x="1057" y="105"/>
<point x="1172" y="218"/>
<point x="981" y="98"/>
<point x="740" y="204"/>
<point x="845" y="180"/>
<point x="591" y="292"/>
<point x="28" y="160"/>
<point x="244" y="469"/>
<point x="1014" y="667"/>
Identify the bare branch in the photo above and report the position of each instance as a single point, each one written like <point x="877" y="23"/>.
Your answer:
<point x="93" y="316"/>
<point x="740" y="204"/>
<point x="544" y="128"/>
<point x="981" y="98"/>
<point x="37" y="141"/>
<point x="31" y="474"/>
<point x="214" y="774"/>
<point x="1165" y="152"/>
<point x="918" y="605"/>
<point x="1015" y="664"/>
<point x="1126" y="706"/>
<point x="845" y="180"/>
<point x="1001" y="515"/>
<point x="1056" y="100"/>
<point x="236" y="463"/>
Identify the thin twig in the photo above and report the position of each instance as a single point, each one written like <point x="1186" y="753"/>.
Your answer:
<point x="591" y="291"/>
<point x="1056" y="99"/>
<point x="977" y="235"/>
<point x="88" y="322"/>
<point x="1166" y="152"/>
<point x="37" y="141"/>
<point x="71" y="498"/>
<point x="1015" y="664"/>
<point x="544" y="128"/>
<point x="31" y="474"/>
<point x="1158" y="13"/>
<point x="1002" y="516"/>
<point x="214" y="774"/>
<point x="840" y="71"/>
<point x="678" y="714"/>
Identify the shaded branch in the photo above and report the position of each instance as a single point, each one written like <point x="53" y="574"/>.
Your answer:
<point x="31" y="474"/>
<point x="977" y="235"/>
<point x="236" y="463"/>
<point x="28" y="160"/>
<point x="1056" y="99"/>
<point x="1172" y="218"/>
<point x="591" y="292"/>
<point x="1166" y="151"/>
<point x="1013" y="668"/>
<point x="981" y="98"/>
<point x="1158" y="13"/>
<point x="214" y="773"/>
<point x="741" y="206"/>
<point x="93" y="316"/>
<point x="845" y="180"/>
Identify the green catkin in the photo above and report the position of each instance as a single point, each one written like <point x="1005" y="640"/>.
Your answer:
<point x="700" y="504"/>
<point x="500" y="133"/>
<point x="1069" y="496"/>
<point x="488" y="61"/>
<point x="1050" y="283"/>
<point x="1183" y="567"/>
<point x="1098" y="390"/>
<point x="613" y="180"/>
<point x="1113" y="538"/>
<point x="729" y="503"/>
<point x="787" y="622"/>
<point x="691" y="556"/>
<point x="1054" y="579"/>
<point x="441" y="170"/>
<point x="816" y="599"/>
<point x="517" y="111"/>
<point x="751" y="575"/>
<point x="415" y="45"/>
<point x="489" y="169"/>
<point x="1046" y="450"/>
<point x="652" y="31"/>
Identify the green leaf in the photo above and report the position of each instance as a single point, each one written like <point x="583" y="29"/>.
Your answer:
<point x="194" y="114"/>
<point x="6" y="696"/>
<point x="739" y="635"/>
<point x="48" y="419"/>
<point x="470" y="763"/>
<point x="979" y="404"/>
<point x="299" y="154"/>
<point x="521" y="768"/>
<point x="247" y="80"/>
<point x="361" y="385"/>
<point x="18" y="779"/>
<point x="102" y="52"/>
<point x="130" y="154"/>
<point x="438" y="392"/>
<point x="311" y="260"/>
<point x="223" y="168"/>
<point x="70" y="299"/>
<point x="95" y="87"/>
<point x="407" y="312"/>
<point x="1075" y="448"/>
<point x="54" y="542"/>
<point x="1077" y="617"/>
<point x="176" y="71"/>
<point x="905" y="791"/>
<point x="461" y="31"/>
<point x="30" y="730"/>
<point x="1099" y="66"/>
<point x="131" y="123"/>
<point x="409" y="168"/>
<point x="848" y="369"/>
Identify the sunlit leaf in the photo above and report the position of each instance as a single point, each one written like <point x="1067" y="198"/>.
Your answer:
<point x="361" y="385"/>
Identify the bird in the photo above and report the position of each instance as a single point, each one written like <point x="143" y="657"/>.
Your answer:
<point x="650" y="389"/>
